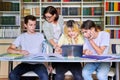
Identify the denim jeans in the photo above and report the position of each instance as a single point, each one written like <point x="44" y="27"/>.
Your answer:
<point x="62" y="68"/>
<point x="22" y="68"/>
<point x="101" y="69"/>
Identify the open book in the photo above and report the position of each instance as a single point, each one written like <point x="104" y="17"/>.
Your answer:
<point x="9" y="56"/>
<point x="44" y="56"/>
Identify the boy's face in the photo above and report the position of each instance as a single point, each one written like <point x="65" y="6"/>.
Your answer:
<point x="31" y="25"/>
<point x="72" y="33"/>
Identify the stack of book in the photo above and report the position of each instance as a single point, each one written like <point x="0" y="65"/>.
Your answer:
<point x="9" y="6"/>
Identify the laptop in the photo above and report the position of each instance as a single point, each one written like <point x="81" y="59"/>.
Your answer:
<point x="72" y="50"/>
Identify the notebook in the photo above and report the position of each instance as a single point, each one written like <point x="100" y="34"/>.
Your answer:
<point x="10" y="56"/>
<point x="72" y="50"/>
<point x="97" y="57"/>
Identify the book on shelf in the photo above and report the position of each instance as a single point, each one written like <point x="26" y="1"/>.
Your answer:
<point x="27" y="0"/>
<point x="36" y="11"/>
<point x="9" y="31"/>
<point x="92" y="0"/>
<point x="97" y="11"/>
<point x="73" y="11"/>
<point x="93" y="11"/>
<point x="119" y="6"/>
<point x="1" y="32"/>
<point x="9" y="6"/>
<point x="66" y="0"/>
<point x="115" y="6"/>
<point x="70" y="0"/>
<point x="114" y="34"/>
<point x="119" y="34"/>
<point x="64" y="11"/>
<point x="35" y="0"/>
<point x="8" y="20"/>
<point x="86" y="11"/>
<point x="112" y="6"/>
<point x="26" y="12"/>
<point x="56" y="0"/>
<point x="112" y="20"/>
<point x="15" y="7"/>
<point x="107" y="6"/>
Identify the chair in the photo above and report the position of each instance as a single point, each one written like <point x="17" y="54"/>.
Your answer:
<point x="115" y="48"/>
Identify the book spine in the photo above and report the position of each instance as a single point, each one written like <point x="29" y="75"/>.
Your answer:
<point x="115" y="6"/>
<point x="107" y="6"/>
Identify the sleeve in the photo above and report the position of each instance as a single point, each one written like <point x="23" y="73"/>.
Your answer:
<point x="17" y="41"/>
<point x="61" y="40"/>
<point x="61" y="22"/>
<point x="105" y="39"/>
<point x="47" y="31"/>
<point x="85" y="45"/>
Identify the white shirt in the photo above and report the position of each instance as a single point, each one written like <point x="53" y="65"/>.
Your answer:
<point x="102" y="39"/>
<point x="30" y="42"/>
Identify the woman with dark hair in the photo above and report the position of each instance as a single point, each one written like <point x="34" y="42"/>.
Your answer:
<point x="53" y="26"/>
<point x="96" y="43"/>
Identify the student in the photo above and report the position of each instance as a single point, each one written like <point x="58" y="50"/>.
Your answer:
<point x="71" y="36"/>
<point x="30" y="43"/>
<point x="96" y="43"/>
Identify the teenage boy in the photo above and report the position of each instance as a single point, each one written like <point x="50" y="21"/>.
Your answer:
<point x="29" y="42"/>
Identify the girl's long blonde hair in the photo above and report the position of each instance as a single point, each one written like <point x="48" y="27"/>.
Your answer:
<point x="74" y="25"/>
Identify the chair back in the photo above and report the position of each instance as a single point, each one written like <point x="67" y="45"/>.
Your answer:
<point x="115" y="48"/>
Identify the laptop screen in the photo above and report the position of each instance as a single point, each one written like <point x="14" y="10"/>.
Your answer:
<point x="72" y="50"/>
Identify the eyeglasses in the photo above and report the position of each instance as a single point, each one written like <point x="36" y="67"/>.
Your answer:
<point x="48" y="17"/>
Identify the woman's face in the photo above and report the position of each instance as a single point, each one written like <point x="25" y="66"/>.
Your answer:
<point x="72" y="33"/>
<point x="49" y="17"/>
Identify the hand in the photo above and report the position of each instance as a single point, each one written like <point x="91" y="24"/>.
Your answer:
<point x="88" y="52"/>
<point x="50" y="69"/>
<point x="58" y="50"/>
<point x="91" y="35"/>
<point x="24" y="52"/>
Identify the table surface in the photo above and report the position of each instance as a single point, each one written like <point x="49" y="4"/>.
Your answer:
<point x="115" y="58"/>
<point x="64" y="59"/>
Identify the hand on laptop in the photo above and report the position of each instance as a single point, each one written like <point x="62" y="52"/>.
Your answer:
<point x="87" y="52"/>
<point x="58" y="50"/>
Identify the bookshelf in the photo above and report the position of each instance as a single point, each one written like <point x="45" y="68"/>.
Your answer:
<point x="9" y="19"/>
<point x="105" y="13"/>
<point x="9" y="28"/>
<point x="112" y="18"/>
<point x="93" y="10"/>
<point x="30" y="7"/>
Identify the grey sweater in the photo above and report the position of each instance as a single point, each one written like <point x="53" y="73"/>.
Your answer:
<point x="48" y="31"/>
